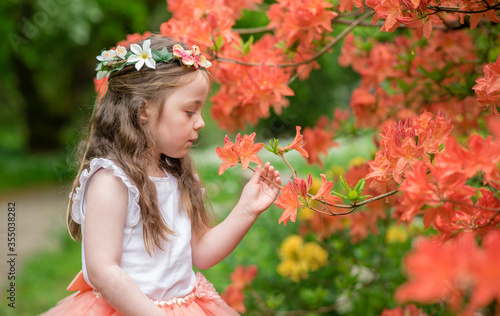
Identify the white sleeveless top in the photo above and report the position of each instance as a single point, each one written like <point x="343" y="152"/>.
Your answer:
<point x="165" y="274"/>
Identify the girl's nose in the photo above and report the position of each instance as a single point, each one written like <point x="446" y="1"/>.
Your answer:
<point x="199" y="124"/>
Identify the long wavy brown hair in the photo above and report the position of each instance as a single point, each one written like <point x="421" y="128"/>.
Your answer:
<point x="116" y="132"/>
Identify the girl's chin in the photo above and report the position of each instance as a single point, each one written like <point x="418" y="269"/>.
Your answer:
<point x="178" y="155"/>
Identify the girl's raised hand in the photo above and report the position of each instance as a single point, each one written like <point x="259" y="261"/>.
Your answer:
<point x="258" y="194"/>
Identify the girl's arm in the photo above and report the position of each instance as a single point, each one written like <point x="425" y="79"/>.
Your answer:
<point x="218" y="242"/>
<point x="106" y="211"/>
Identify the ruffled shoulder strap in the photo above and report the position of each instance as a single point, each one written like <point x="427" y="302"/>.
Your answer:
<point x="78" y="207"/>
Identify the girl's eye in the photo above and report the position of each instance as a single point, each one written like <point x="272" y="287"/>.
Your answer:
<point x="191" y="113"/>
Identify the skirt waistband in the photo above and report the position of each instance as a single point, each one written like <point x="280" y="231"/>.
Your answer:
<point x="173" y="301"/>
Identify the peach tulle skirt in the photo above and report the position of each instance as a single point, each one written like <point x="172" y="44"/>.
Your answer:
<point x="204" y="300"/>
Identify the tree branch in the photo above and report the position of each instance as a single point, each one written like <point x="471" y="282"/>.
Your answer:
<point x="253" y="30"/>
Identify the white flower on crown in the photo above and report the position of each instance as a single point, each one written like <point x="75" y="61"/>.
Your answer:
<point x="101" y="73"/>
<point x="106" y="55"/>
<point x="142" y="55"/>
<point x="121" y="52"/>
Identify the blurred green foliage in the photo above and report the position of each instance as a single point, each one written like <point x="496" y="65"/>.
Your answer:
<point x="48" y="61"/>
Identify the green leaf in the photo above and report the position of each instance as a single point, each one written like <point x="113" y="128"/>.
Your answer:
<point x="219" y="43"/>
<point x="340" y="195"/>
<point x="360" y="186"/>
<point x="165" y="54"/>
<point x="268" y="148"/>
<point x="353" y="195"/>
<point x="120" y="67"/>
<point x="344" y="184"/>
<point x="156" y="55"/>
<point x="246" y="46"/>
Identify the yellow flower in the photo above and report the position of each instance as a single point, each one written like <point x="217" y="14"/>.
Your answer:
<point x="314" y="255"/>
<point x="291" y="269"/>
<point x="291" y="247"/>
<point x="305" y="214"/>
<point x="335" y="171"/>
<point x="396" y="234"/>
<point x="299" y="258"/>
<point x="357" y="161"/>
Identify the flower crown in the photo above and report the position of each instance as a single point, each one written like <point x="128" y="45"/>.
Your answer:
<point x="115" y="60"/>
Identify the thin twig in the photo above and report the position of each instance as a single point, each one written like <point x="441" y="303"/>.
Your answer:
<point x="458" y="10"/>
<point x="378" y="197"/>
<point x="489" y="222"/>
<point x="253" y="30"/>
<point x="289" y="166"/>
<point x="300" y="63"/>
<point x="352" y="206"/>
<point x="266" y="179"/>
<point x="260" y="302"/>
<point x="320" y="310"/>
<point x="363" y="23"/>
<point x="493" y="209"/>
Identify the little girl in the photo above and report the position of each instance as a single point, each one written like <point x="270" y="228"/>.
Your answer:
<point x="137" y="204"/>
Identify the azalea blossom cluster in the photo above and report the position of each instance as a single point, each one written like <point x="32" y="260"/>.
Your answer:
<point x="405" y="143"/>
<point x="241" y="279"/>
<point x="422" y="15"/>
<point x="440" y="191"/>
<point x="487" y="88"/>
<point x="243" y="151"/>
<point x="456" y="272"/>
<point x="297" y="29"/>
<point x="402" y="78"/>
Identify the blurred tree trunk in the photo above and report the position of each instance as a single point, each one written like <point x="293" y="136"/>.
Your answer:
<point x="43" y="126"/>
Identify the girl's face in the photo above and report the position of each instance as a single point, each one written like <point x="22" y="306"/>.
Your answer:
<point x="176" y="127"/>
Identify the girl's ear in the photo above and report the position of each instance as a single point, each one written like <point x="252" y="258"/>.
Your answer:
<point x="145" y="111"/>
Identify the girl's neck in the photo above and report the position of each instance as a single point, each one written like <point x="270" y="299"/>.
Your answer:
<point x="154" y="171"/>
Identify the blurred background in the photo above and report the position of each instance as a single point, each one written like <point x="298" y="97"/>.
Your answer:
<point x="47" y="61"/>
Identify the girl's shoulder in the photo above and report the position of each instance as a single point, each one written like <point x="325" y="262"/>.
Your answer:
<point x="107" y="176"/>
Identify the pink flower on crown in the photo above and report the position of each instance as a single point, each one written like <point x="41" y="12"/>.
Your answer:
<point x="184" y="55"/>
<point x="199" y="59"/>
<point x="191" y="57"/>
